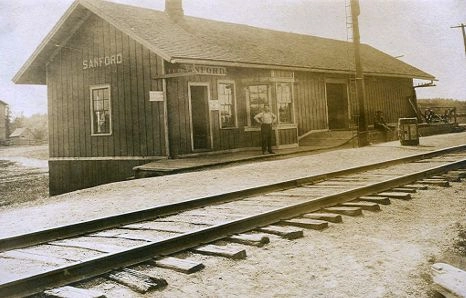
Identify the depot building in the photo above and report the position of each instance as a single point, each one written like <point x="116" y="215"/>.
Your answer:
<point x="129" y="85"/>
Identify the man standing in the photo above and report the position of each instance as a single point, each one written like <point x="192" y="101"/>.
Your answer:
<point x="266" y="118"/>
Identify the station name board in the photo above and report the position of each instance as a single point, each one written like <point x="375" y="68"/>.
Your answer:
<point x="199" y="70"/>
<point x="102" y="61"/>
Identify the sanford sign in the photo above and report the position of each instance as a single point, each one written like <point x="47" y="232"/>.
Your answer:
<point x="102" y="61"/>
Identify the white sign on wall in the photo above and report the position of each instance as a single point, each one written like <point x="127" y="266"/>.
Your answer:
<point x="214" y="105"/>
<point x="155" y="95"/>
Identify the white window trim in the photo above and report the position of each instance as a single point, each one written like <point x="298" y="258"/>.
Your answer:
<point x="94" y="87"/>
<point x="250" y="125"/>
<point x="234" y="104"/>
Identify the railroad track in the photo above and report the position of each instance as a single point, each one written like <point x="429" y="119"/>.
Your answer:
<point x="109" y="246"/>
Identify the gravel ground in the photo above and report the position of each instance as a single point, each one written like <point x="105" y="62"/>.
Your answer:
<point x="385" y="254"/>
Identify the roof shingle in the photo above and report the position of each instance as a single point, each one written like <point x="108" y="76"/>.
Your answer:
<point x="195" y="39"/>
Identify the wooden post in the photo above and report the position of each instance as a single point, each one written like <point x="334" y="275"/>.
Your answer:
<point x="464" y="34"/>
<point x="362" y="125"/>
<point x="165" y="114"/>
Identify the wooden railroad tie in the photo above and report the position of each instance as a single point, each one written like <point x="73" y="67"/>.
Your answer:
<point x="258" y="240"/>
<point x="416" y="186"/>
<point x="350" y="211"/>
<point x="138" y="281"/>
<point x="331" y="217"/>
<point x="285" y="232"/>
<point x="72" y="292"/>
<point x="307" y="223"/>
<point x="449" y="177"/>
<point x="180" y="265"/>
<point x="369" y="206"/>
<point x="448" y="280"/>
<point x="221" y="251"/>
<point x="404" y="189"/>
<point x="375" y="199"/>
<point x="436" y="182"/>
<point x="395" y="195"/>
<point x="459" y="173"/>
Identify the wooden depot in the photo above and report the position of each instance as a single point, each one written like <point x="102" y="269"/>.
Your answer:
<point x="128" y="86"/>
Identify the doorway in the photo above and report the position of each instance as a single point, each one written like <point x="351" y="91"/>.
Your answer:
<point x="337" y="104"/>
<point x="200" y="135"/>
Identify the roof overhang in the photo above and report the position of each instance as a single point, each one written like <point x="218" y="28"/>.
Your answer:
<point x="181" y="60"/>
<point x="34" y="70"/>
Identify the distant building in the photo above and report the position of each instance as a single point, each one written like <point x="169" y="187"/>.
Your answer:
<point x="22" y="136"/>
<point x="127" y="85"/>
<point x="3" y="121"/>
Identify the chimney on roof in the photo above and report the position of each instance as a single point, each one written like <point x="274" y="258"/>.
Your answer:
<point x="174" y="8"/>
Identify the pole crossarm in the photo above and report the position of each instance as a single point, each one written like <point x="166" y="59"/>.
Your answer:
<point x="462" y="26"/>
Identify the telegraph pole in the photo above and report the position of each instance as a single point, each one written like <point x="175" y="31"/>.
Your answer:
<point x="464" y="34"/>
<point x="362" y="125"/>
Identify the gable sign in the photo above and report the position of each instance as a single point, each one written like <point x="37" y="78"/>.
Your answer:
<point x="102" y="61"/>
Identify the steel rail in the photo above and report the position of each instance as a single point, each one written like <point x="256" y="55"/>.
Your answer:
<point x="99" y="224"/>
<point x="100" y="265"/>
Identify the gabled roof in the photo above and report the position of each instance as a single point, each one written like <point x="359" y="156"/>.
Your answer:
<point x="196" y="40"/>
<point x="3" y="103"/>
<point x="21" y="131"/>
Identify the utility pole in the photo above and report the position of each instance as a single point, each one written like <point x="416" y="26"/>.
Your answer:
<point x="362" y="125"/>
<point x="464" y="34"/>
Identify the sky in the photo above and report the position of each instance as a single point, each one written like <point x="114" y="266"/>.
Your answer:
<point x="416" y="31"/>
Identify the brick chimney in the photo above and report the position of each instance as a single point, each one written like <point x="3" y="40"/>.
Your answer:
<point x="174" y="8"/>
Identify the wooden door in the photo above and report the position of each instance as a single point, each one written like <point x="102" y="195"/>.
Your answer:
<point x="200" y="117"/>
<point x="337" y="104"/>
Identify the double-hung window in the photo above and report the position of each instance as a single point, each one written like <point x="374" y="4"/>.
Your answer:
<point x="285" y="103"/>
<point x="226" y="98"/>
<point x="258" y="97"/>
<point x="101" y="116"/>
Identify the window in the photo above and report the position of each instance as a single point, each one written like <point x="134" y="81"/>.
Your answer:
<point x="258" y="96"/>
<point x="226" y="98"/>
<point x="101" y="118"/>
<point x="284" y="103"/>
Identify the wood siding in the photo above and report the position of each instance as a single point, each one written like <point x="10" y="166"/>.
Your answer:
<point x="70" y="175"/>
<point x="389" y="95"/>
<point x="310" y="102"/>
<point x="179" y="121"/>
<point x="138" y="124"/>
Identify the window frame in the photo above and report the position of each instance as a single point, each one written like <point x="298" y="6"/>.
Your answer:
<point x="234" y="103"/>
<point x="110" y="126"/>
<point x="292" y="114"/>
<point x="250" y="123"/>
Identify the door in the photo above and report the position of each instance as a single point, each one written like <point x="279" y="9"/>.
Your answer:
<point x="200" y="117"/>
<point x="337" y="104"/>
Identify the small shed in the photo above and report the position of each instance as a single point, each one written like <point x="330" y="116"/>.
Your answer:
<point x="22" y="136"/>
<point x="129" y="85"/>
